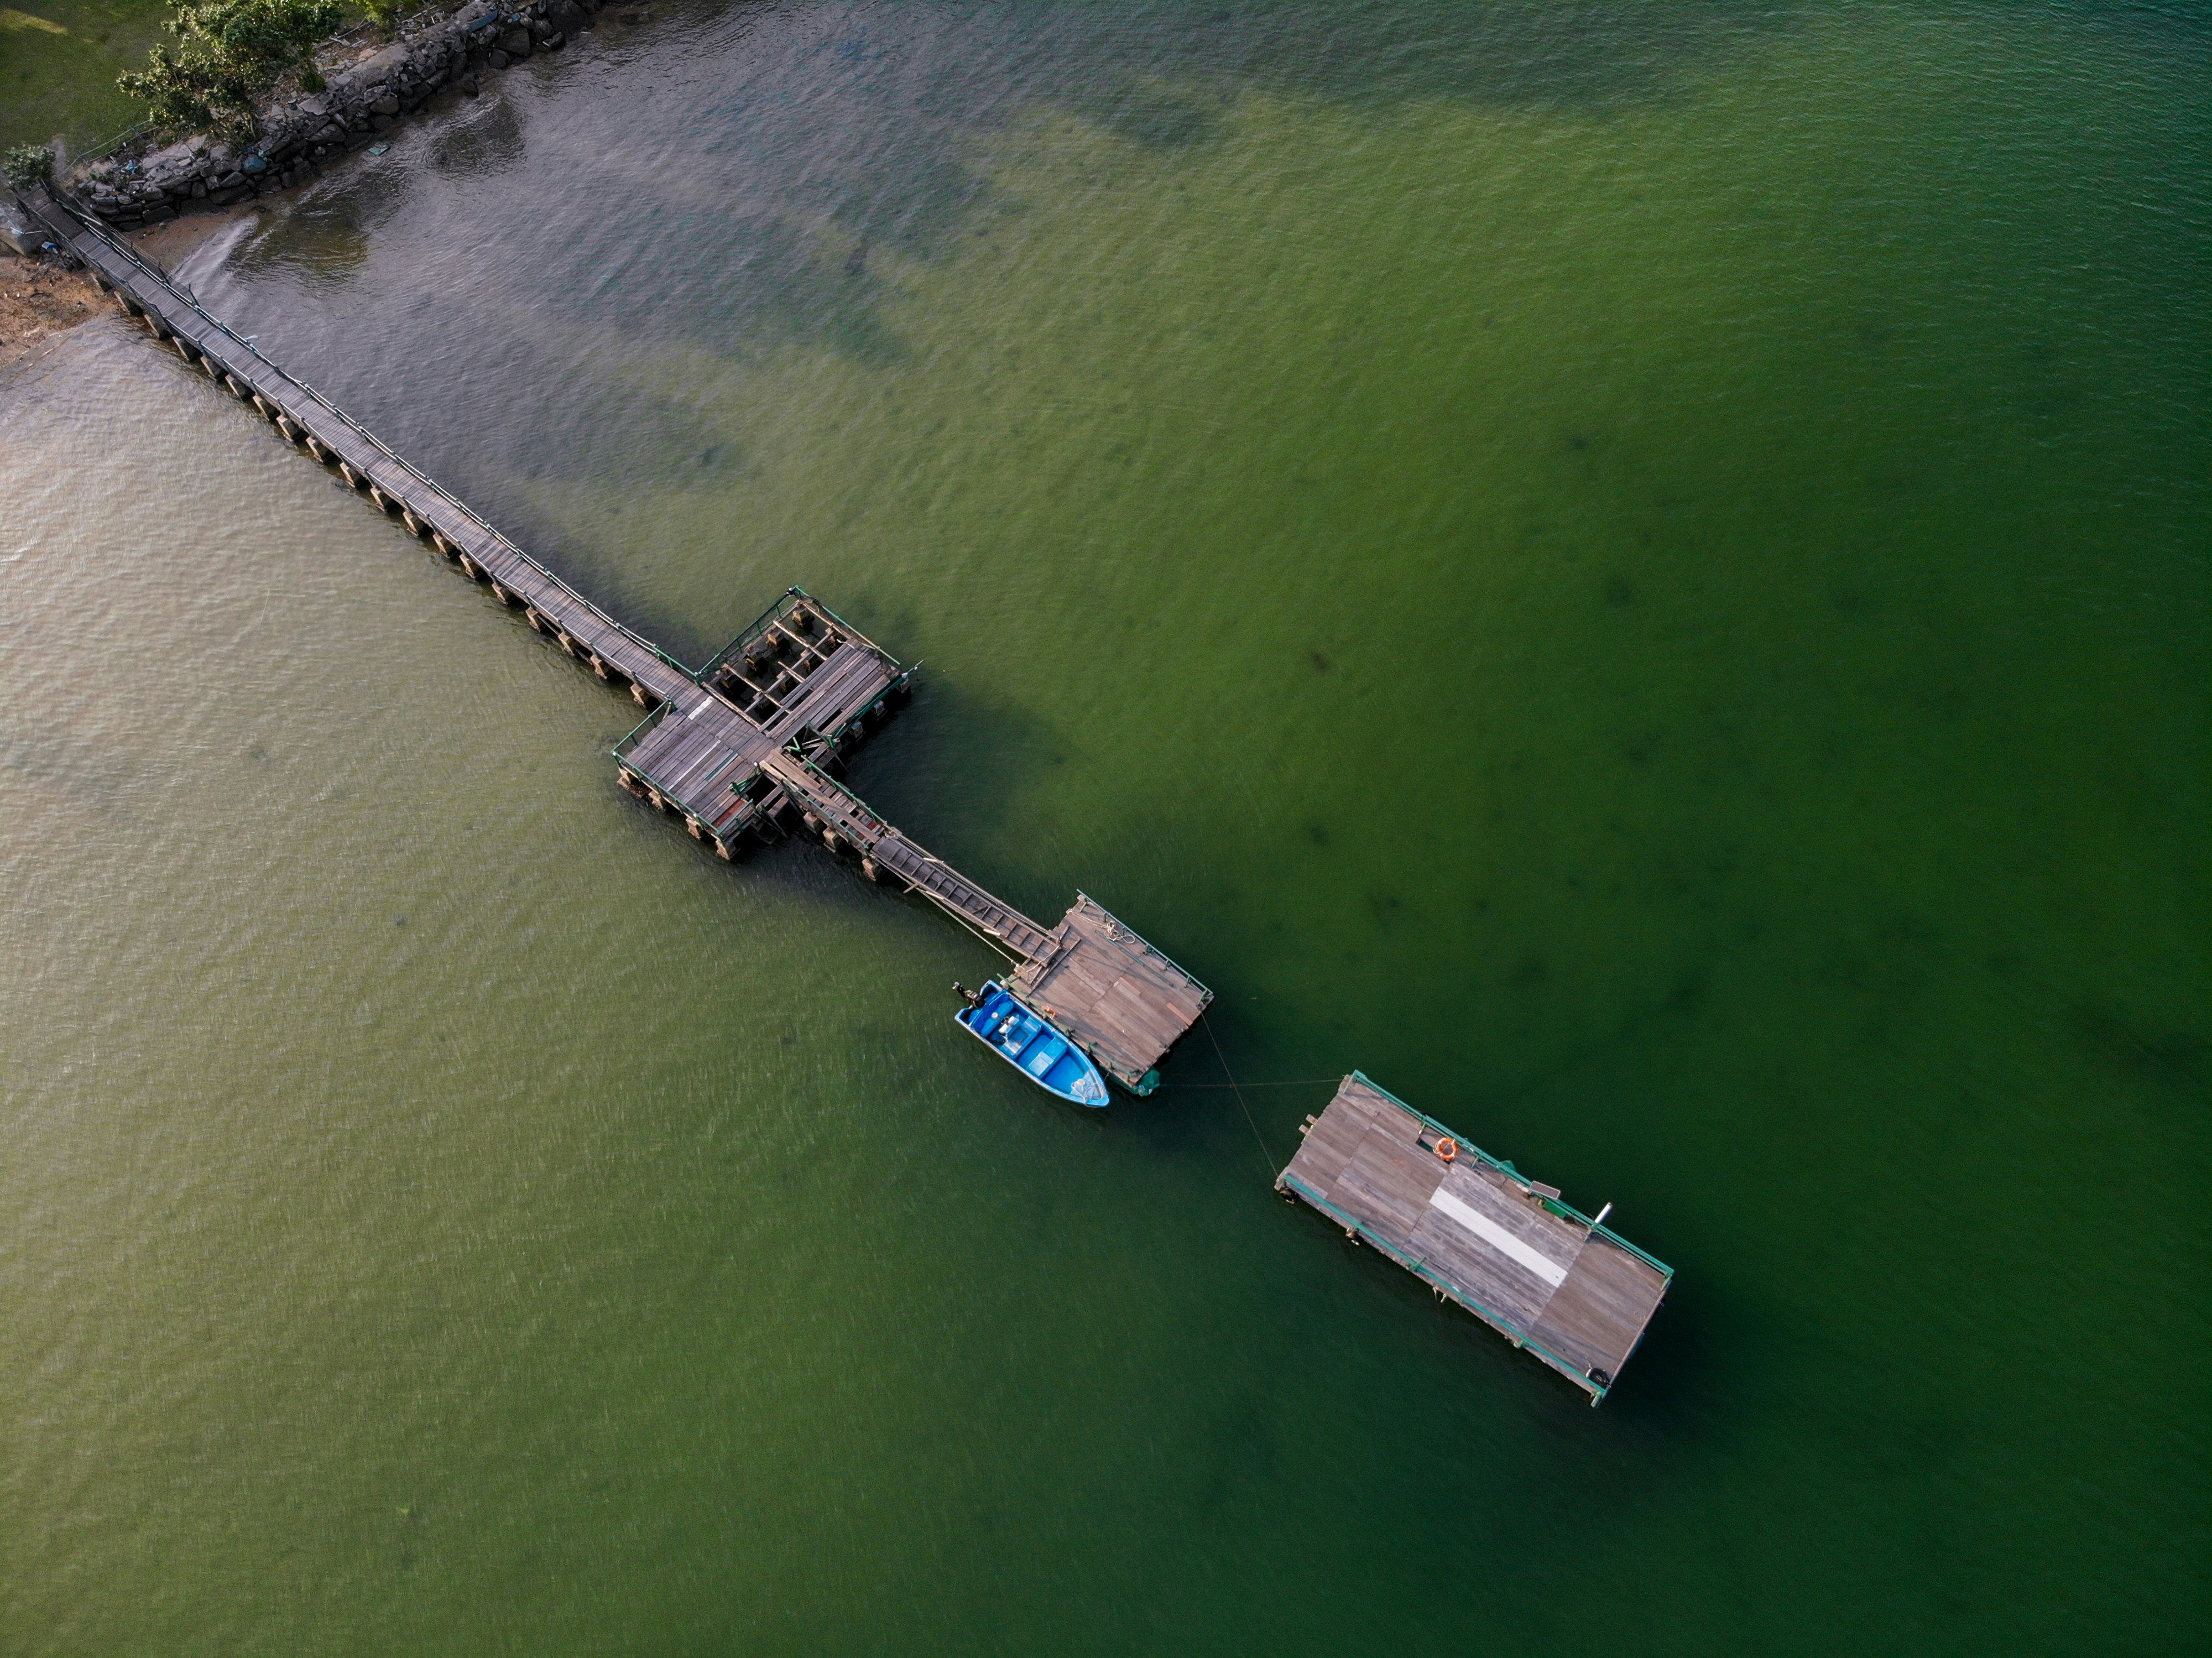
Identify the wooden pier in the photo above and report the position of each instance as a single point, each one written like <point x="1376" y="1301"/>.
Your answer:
<point x="749" y="747"/>
<point x="744" y="747"/>
<point x="1548" y="1278"/>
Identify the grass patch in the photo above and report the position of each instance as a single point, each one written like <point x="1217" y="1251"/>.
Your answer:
<point x="59" y="58"/>
<point x="58" y="61"/>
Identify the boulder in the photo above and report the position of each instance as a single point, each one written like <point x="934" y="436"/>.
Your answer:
<point x="382" y="67"/>
<point x="566" y="15"/>
<point x="384" y="103"/>
<point x="515" y="43"/>
<point x="175" y="159"/>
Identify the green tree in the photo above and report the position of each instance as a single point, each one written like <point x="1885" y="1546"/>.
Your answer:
<point x="26" y="165"/>
<point x="228" y="53"/>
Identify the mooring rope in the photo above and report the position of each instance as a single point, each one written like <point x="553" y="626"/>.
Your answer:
<point x="1265" y="1150"/>
<point x="1295" y="1082"/>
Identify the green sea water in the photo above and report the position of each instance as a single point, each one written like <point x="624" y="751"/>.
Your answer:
<point x="1638" y="574"/>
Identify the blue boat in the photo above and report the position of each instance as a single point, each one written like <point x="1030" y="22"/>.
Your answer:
<point x="1026" y="1040"/>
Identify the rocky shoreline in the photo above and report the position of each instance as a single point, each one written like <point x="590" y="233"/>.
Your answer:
<point x="300" y="136"/>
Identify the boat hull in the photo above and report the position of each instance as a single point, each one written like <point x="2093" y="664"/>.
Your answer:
<point x="1030" y="1042"/>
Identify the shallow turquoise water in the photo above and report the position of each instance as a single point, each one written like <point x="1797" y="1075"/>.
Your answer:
<point x="1640" y="579"/>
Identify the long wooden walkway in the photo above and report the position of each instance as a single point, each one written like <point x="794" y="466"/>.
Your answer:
<point x="845" y="821"/>
<point x="317" y="426"/>
<point x="735" y="748"/>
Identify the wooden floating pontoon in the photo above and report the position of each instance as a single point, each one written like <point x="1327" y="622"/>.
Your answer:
<point x="1546" y="1276"/>
<point x="735" y="748"/>
<point x="1112" y="992"/>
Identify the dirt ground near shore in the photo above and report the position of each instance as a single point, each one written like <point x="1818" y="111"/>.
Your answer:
<point x="166" y="244"/>
<point x="38" y="300"/>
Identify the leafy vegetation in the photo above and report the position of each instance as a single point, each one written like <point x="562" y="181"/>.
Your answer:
<point x="26" y="165"/>
<point x="228" y="52"/>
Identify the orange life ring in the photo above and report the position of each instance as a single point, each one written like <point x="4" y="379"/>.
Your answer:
<point x="1447" y="1147"/>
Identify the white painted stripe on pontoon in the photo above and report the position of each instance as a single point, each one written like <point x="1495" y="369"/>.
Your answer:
<point x="1498" y="1238"/>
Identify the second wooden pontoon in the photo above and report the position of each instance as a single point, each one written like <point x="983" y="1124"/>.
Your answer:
<point x="1546" y="1277"/>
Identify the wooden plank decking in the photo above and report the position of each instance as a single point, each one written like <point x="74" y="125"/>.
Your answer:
<point x="1504" y="1247"/>
<point x="1123" y="1002"/>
